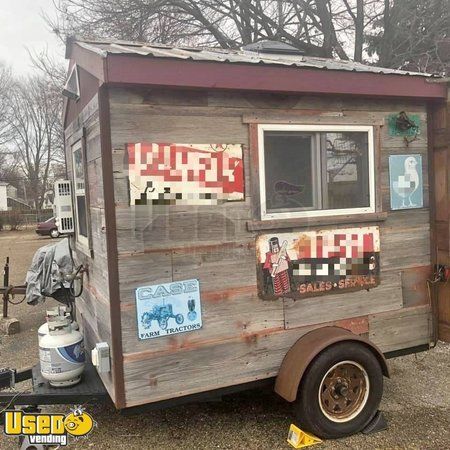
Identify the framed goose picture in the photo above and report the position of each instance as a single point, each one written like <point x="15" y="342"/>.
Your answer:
<point x="406" y="184"/>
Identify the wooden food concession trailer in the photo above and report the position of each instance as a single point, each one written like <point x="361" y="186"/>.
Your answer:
<point x="254" y="216"/>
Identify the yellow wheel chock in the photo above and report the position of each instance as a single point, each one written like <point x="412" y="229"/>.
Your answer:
<point x="299" y="439"/>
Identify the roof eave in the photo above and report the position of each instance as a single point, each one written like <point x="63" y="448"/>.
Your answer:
<point x="139" y="70"/>
<point x="170" y="72"/>
<point x="89" y="58"/>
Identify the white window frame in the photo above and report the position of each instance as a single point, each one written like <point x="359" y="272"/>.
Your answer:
<point x="316" y="212"/>
<point x="83" y="240"/>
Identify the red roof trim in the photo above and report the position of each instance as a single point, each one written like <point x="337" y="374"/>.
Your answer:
<point x="194" y="74"/>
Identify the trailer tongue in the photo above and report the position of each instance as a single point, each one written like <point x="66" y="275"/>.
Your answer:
<point x="89" y="390"/>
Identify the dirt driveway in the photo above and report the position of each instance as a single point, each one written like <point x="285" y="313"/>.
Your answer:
<point x="416" y="399"/>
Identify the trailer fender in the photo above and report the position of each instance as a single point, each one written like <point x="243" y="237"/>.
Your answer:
<point x="303" y="352"/>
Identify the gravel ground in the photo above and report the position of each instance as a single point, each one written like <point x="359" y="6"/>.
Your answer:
<point x="416" y="399"/>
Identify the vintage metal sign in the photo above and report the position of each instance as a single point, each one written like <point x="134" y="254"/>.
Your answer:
<point x="170" y="308"/>
<point x="406" y="185"/>
<point x="309" y="263"/>
<point x="185" y="174"/>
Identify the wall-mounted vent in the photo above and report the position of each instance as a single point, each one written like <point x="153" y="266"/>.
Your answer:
<point x="72" y="88"/>
<point x="63" y="206"/>
<point x="273" y="47"/>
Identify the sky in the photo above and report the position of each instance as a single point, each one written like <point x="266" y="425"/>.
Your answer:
<point x="21" y="27"/>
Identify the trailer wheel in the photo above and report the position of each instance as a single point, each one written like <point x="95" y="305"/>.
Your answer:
<point x="340" y="391"/>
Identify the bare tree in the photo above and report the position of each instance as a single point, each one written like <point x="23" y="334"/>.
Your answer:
<point x="6" y="83"/>
<point x="50" y="68"/>
<point x="396" y="33"/>
<point x="408" y="35"/>
<point x="35" y="122"/>
<point x="319" y="27"/>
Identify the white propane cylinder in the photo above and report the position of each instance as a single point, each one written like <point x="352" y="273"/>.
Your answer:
<point x="43" y="329"/>
<point x="61" y="354"/>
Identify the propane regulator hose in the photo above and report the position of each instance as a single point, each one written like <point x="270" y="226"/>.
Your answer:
<point x="79" y="270"/>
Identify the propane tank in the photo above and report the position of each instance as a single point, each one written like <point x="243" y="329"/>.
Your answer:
<point x="61" y="353"/>
<point x="51" y="314"/>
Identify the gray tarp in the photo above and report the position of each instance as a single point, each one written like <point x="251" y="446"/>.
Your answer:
<point x="46" y="273"/>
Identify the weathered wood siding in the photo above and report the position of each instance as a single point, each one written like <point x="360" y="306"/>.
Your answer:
<point x="93" y="305"/>
<point x="244" y="338"/>
<point x="440" y="127"/>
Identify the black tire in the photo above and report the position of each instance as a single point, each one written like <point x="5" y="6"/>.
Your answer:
<point x="312" y="408"/>
<point x="54" y="233"/>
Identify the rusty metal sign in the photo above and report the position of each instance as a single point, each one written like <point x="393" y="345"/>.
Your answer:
<point x="310" y="263"/>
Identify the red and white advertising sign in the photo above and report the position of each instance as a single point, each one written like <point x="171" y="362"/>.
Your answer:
<point x="186" y="174"/>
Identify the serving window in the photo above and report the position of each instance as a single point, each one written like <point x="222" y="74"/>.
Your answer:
<point x="315" y="170"/>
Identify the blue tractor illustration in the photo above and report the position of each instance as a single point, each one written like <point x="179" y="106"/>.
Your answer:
<point x="162" y="314"/>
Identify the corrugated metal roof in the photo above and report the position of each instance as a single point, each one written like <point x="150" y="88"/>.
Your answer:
<point x="242" y="56"/>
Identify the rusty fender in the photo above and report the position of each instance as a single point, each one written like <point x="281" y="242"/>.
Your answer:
<point x="302" y="353"/>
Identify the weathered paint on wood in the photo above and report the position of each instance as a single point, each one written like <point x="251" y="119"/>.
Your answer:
<point x="155" y="376"/>
<point x="218" y="365"/>
<point x="243" y="338"/>
<point x="143" y="270"/>
<point x="92" y="334"/>
<point x="237" y="312"/>
<point x="440" y="161"/>
<point x="414" y="286"/>
<point x="444" y="312"/>
<point x="307" y="311"/>
<point x="404" y="328"/>
<point x="93" y="304"/>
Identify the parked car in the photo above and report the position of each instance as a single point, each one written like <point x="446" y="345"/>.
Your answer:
<point x="48" y="228"/>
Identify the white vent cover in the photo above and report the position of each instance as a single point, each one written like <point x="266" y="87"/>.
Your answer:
<point x="63" y="206"/>
<point x="72" y="87"/>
